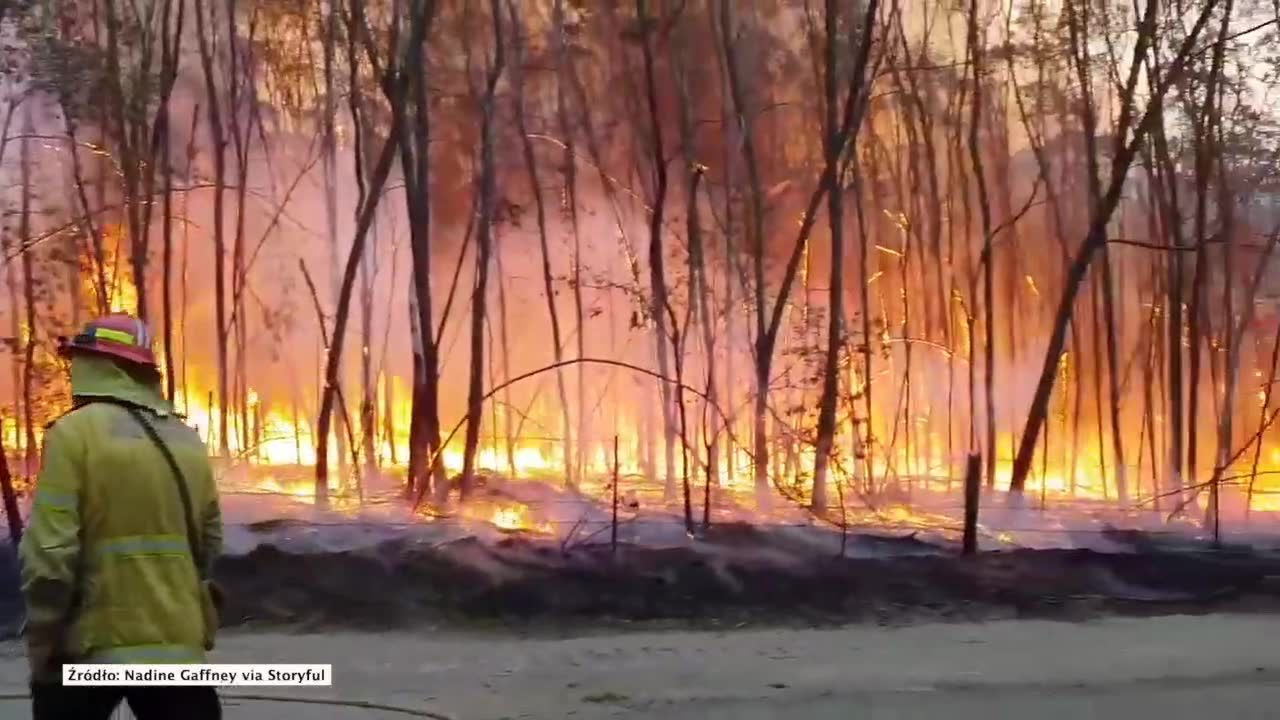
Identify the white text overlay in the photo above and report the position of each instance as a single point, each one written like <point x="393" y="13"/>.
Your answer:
<point x="208" y="675"/>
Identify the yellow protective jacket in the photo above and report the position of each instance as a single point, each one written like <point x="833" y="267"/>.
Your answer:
<point x="106" y="570"/>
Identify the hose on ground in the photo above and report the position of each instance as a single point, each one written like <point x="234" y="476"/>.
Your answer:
<point x="361" y="704"/>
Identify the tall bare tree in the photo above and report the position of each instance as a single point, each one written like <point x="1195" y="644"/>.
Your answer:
<point x="487" y="190"/>
<point x="838" y="133"/>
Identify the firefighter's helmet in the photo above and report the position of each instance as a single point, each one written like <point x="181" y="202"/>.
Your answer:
<point x="117" y="335"/>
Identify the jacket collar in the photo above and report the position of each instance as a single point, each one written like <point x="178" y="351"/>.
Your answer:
<point x="93" y="376"/>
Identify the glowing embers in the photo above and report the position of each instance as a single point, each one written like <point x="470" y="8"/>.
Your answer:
<point x="300" y="489"/>
<point x="507" y="518"/>
<point x="511" y="517"/>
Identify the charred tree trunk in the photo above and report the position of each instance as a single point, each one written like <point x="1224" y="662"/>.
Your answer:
<point x="126" y="121"/>
<point x="166" y="287"/>
<point x="698" y="274"/>
<point x="1113" y="380"/>
<point x="1175" y="299"/>
<point x="763" y="360"/>
<point x="865" y="442"/>
<point x="213" y="105"/>
<point x="1195" y="332"/>
<point x="1234" y="334"/>
<point x="1099" y="345"/>
<point x="976" y="53"/>
<point x="190" y="155"/>
<point x="97" y="253"/>
<point x="660" y="306"/>
<point x="835" y="312"/>
<point x="368" y="390"/>
<point x="11" y="276"/>
<point x="341" y="316"/>
<point x="8" y="245"/>
<point x="159" y="154"/>
<point x="236" y="327"/>
<point x="330" y="162"/>
<point x="28" y="302"/>
<point x="731" y="261"/>
<point x="425" y="466"/>
<point x="699" y="293"/>
<point x="12" y="515"/>
<point x="484" y="249"/>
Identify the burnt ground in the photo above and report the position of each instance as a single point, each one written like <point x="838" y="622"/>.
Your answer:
<point x="726" y="581"/>
<point x="738" y="576"/>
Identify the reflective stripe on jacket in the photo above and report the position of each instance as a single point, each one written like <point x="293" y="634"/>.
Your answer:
<point x="106" y="569"/>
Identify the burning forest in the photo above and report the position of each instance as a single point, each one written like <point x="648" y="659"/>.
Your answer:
<point x="627" y="272"/>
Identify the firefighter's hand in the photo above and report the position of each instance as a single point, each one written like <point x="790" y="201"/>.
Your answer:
<point x="44" y="659"/>
<point x="45" y="669"/>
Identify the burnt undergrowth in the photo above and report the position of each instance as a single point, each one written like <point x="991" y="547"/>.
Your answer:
<point x="523" y="582"/>
<point x="736" y="577"/>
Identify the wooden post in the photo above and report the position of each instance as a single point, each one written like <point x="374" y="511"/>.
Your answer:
<point x="257" y="432"/>
<point x="389" y="418"/>
<point x="972" y="488"/>
<point x="1215" y="499"/>
<point x="297" y="433"/>
<point x="613" y="536"/>
<point x="209" y="440"/>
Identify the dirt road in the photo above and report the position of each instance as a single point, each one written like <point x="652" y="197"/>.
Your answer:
<point x="1176" y="667"/>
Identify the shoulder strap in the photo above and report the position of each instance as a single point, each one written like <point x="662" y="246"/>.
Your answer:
<point x="197" y="552"/>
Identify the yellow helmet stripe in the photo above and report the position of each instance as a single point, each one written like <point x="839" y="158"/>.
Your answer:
<point x="113" y="335"/>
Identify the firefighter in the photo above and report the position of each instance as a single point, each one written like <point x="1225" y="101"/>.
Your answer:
<point x="123" y="531"/>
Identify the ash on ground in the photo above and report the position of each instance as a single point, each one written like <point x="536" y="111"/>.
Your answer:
<point x="535" y="555"/>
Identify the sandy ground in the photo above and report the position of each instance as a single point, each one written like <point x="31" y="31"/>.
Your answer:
<point x="1171" y="668"/>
